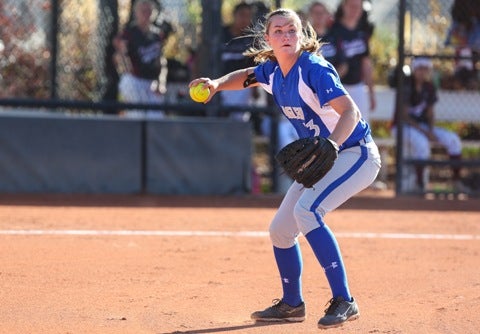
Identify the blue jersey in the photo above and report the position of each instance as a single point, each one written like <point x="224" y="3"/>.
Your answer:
<point x="303" y="96"/>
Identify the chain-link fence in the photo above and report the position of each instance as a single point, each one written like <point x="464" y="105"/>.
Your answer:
<point x="52" y="48"/>
<point x="63" y="49"/>
<point x="443" y="35"/>
<point x="448" y="31"/>
<point x="25" y="51"/>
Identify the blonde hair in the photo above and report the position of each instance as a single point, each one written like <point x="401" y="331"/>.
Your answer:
<point x="261" y="51"/>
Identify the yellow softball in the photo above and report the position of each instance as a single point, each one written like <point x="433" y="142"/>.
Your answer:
<point x="198" y="94"/>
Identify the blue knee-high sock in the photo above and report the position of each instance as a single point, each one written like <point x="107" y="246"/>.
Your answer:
<point x="289" y="262"/>
<point x="326" y="250"/>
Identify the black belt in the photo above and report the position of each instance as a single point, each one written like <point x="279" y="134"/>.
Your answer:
<point x="365" y="140"/>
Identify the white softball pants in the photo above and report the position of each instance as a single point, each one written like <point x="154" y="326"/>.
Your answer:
<point x="417" y="145"/>
<point x="239" y="97"/>
<point x="302" y="209"/>
<point x="138" y="90"/>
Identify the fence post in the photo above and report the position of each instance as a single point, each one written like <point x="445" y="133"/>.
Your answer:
<point x="209" y="53"/>
<point x="54" y="48"/>
<point x="399" y="104"/>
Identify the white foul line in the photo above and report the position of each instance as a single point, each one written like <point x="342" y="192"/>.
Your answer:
<point x="246" y="234"/>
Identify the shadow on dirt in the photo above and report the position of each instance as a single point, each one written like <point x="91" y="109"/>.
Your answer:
<point x="229" y="328"/>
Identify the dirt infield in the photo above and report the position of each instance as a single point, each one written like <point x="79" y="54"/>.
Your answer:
<point x="146" y="264"/>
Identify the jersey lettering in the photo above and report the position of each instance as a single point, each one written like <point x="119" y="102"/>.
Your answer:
<point x="293" y="112"/>
<point x="149" y="53"/>
<point x="354" y="47"/>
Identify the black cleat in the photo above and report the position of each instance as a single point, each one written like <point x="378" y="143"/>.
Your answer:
<point x="281" y="311"/>
<point x="339" y="312"/>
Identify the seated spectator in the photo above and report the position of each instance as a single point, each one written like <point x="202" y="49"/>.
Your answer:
<point x="419" y="129"/>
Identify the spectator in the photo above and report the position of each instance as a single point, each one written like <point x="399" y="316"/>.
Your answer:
<point x="465" y="28"/>
<point x="320" y="18"/>
<point x="464" y="36"/>
<point x="236" y="41"/>
<point x="348" y="50"/>
<point x="419" y="129"/>
<point x="140" y="59"/>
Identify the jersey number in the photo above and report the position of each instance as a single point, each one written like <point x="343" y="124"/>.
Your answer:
<point x="313" y="127"/>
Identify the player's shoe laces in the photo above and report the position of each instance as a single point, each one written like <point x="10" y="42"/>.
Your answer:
<point x="338" y="312"/>
<point x="281" y="311"/>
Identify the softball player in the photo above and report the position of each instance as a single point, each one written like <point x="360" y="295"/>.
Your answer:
<point x="310" y="94"/>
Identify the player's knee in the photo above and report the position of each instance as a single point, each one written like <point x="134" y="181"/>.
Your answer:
<point x="281" y="238"/>
<point x="422" y="150"/>
<point x="454" y="147"/>
<point x="418" y="148"/>
<point x="307" y="218"/>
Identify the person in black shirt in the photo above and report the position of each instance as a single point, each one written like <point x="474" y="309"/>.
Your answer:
<point x="235" y="41"/>
<point x="348" y="50"/>
<point x="139" y="59"/>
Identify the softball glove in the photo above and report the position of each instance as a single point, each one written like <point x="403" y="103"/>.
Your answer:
<point x="307" y="160"/>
